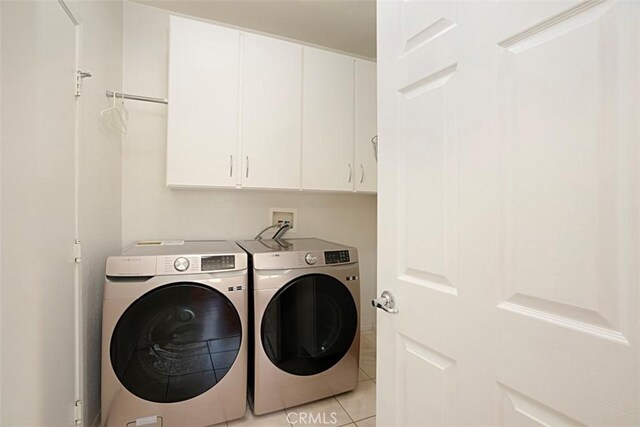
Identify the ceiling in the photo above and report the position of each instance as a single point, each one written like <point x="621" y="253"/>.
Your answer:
<point x="344" y="25"/>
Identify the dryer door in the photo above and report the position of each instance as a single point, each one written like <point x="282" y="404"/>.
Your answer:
<point x="175" y="342"/>
<point x="309" y="325"/>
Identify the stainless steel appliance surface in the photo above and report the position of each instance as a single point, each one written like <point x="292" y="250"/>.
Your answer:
<point x="305" y="320"/>
<point x="174" y="334"/>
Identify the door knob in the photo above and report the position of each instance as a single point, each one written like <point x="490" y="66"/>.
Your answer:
<point x="386" y="302"/>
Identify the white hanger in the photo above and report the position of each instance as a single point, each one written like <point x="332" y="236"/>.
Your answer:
<point x="115" y="116"/>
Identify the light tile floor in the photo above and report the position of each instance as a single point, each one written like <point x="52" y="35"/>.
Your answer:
<point x="356" y="408"/>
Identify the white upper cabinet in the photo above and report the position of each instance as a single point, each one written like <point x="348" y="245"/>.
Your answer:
<point x="271" y="113"/>
<point x="366" y="178"/>
<point x="257" y="112"/>
<point x="202" y="133"/>
<point x="327" y="121"/>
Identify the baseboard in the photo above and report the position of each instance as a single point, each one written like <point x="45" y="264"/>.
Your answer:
<point x="96" y="421"/>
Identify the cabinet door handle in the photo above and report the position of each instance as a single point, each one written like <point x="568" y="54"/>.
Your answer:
<point x="362" y="174"/>
<point x="247" y="174"/>
<point x="230" y="165"/>
<point x="350" y="172"/>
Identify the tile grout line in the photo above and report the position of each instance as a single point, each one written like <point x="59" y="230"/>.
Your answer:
<point x="365" y="374"/>
<point x="345" y="410"/>
<point x="364" y="419"/>
<point x="374" y="353"/>
<point x="368" y="339"/>
<point x="286" y="416"/>
<point x="361" y="419"/>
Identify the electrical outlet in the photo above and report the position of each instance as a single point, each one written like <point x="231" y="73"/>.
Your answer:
<point x="284" y="216"/>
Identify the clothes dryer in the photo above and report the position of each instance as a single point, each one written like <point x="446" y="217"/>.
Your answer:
<point x="174" y="334"/>
<point x="305" y="320"/>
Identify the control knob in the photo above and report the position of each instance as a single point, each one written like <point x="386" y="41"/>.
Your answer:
<point x="181" y="264"/>
<point x="311" y="259"/>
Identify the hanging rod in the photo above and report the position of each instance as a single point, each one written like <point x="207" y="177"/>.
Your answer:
<point x="111" y="94"/>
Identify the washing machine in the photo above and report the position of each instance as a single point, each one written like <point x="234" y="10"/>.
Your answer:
<point x="305" y="319"/>
<point x="174" y="334"/>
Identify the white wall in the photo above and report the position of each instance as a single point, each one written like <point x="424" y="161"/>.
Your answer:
<point x="152" y="211"/>
<point x="39" y="203"/>
<point x="38" y="220"/>
<point x="100" y="177"/>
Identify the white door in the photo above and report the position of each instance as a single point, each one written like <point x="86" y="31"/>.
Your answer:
<point x="327" y="121"/>
<point x="366" y="126"/>
<point x="202" y="131"/>
<point x="509" y="213"/>
<point x="38" y="215"/>
<point x="271" y="112"/>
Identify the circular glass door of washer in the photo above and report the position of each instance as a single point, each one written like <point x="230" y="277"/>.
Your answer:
<point x="175" y="342"/>
<point x="309" y="325"/>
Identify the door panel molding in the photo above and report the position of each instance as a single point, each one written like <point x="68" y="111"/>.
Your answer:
<point x="428" y="34"/>
<point x="427" y="230"/>
<point x="575" y="318"/>
<point x="517" y="408"/>
<point x="575" y="17"/>
<point x="565" y="183"/>
<point x="428" y="83"/>
<point x="430" y="377"/>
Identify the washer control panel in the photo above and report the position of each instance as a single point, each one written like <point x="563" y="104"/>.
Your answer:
<point x="177" y="264"/>
<point x="336" y="257"/>
<point x="218" y="262"/>
<point x="190" y="264"/>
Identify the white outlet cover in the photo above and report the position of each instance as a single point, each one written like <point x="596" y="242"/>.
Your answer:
<point x="274" y="212"/>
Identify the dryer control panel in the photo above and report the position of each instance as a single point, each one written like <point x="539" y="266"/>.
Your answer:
<point x="303" y="259"/>
<point x="336" y="257"/>
<point x="298" y="253"/>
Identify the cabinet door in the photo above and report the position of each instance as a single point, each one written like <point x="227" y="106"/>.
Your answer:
<point x="271" y="113"/>
<point x="327" y="121"/>
<point x="202" y="133"/>
<point x="366" y="166"/>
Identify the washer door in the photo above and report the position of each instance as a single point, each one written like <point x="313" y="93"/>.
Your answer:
<point x="175" y="342"/>
<point x="309" y="325"/>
